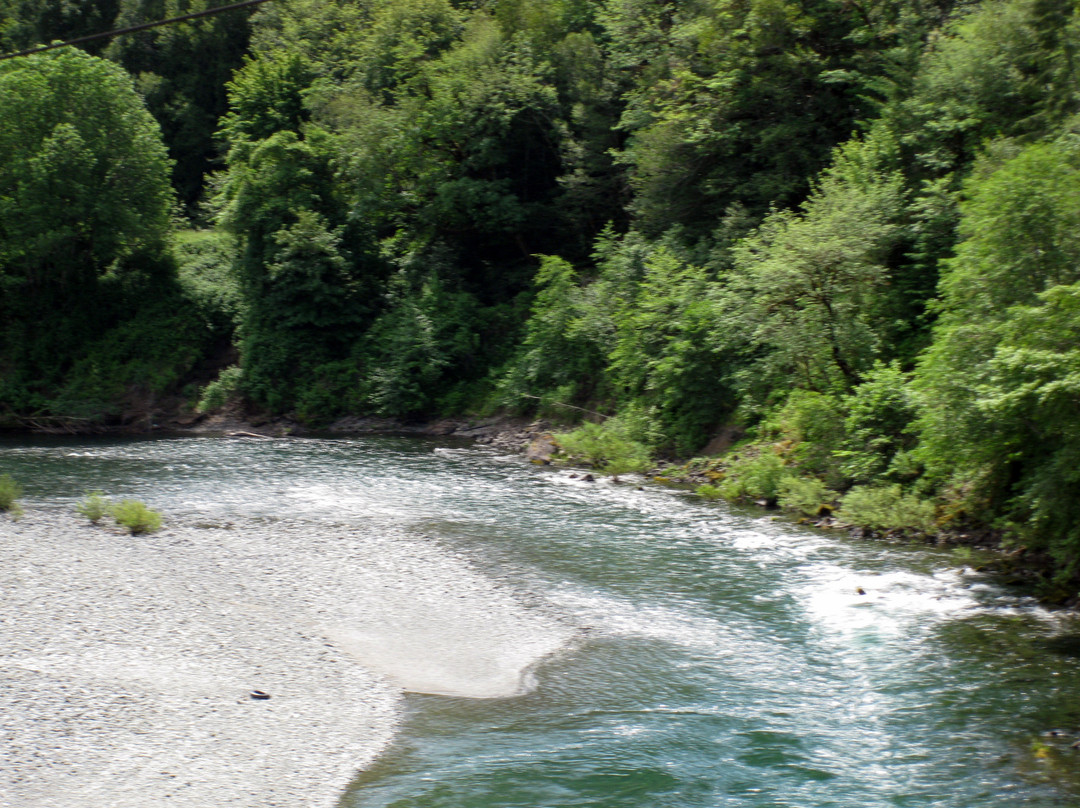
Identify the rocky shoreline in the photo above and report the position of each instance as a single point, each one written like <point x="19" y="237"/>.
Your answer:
<point x="129" y="662"/>
<point x="505" y="432"/>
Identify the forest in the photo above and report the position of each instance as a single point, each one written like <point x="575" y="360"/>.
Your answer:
<point x="848" y="230"/>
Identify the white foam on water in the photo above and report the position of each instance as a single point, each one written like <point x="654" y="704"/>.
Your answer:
<point x="396" y="500"/>
<point x="897" y="604"/>
<point x="621" y="618"/>
<point x="452" y="453"/>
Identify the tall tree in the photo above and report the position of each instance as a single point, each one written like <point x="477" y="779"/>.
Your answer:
<point x="85" y="202"/>
<point x="997" y="383"/>
<point x="26" y="23"/>
<point x="182" y="70"/>
<point x="742" y="103"/>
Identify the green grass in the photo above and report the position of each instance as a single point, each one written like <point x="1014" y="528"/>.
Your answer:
<point x="94" y="507"/>
<point x="805" y="495"/>
<point x="10" y="491"/>
<point x="136" y="517"/>
<point x="607" y="447"/>
<point x="886" y="508"/>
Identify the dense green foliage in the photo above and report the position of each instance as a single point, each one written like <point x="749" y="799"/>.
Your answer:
<point x="182" y="71"/>
<point x="849" y="230"/>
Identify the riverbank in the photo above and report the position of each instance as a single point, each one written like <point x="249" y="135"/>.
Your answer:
<point x="129" y="661"/>
<point x="507" y="432"/>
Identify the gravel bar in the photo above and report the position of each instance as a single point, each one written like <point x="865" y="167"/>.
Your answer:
<point x="127" y="663"/>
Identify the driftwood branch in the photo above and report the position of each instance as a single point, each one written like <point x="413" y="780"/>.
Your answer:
<point x="53" y="424"/>
<point x="568" y="406"/>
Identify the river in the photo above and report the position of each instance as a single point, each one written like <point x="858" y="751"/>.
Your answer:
<point x="722" y="657"/>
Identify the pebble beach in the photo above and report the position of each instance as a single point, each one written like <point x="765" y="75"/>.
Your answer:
<point x="127" y="663"/>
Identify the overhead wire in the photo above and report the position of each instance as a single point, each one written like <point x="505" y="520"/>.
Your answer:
<point x="134" y="28"/>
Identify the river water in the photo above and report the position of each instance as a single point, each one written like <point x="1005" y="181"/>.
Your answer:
<point x="723" y="657"/>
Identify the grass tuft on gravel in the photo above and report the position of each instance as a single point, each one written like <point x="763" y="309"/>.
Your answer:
<point x="10" y="491"/>
<point x="136" y="517"/>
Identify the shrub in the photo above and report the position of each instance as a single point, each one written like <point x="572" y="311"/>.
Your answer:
<point x="10" y="491"/>
<point x="136" y="517"/>
<point x="807" y="495"/>
<point x="151" y="351"/>
<point x="755" y="478"/>
<point x="94" y="507"/>
<point x="208" y="278"/>
<point x="328" y="391"/>
<point x="427" y="339"/>
<point x="215" y="394"/>
<point x="886" y="508"/>
<point x="814" y="424"/>
<point x="607" y="447"/>
<point x="560" y="356"/>
<point x="879" y="413"/>
<point x="707" y="491"/>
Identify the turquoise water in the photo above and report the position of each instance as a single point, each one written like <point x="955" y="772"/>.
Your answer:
<point x="723" y="659"/>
